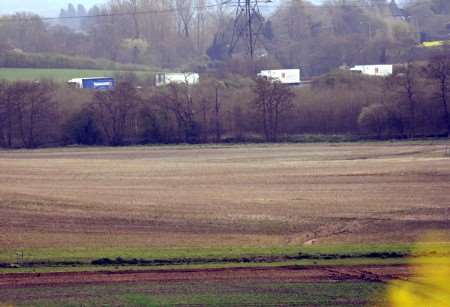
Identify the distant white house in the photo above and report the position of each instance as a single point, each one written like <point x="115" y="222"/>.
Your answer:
<point x="285" y="76"/>
<point x="188" y="78"/>
<point x="380" y="70"/>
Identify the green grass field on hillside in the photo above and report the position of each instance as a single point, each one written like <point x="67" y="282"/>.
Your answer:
<point x="339" y="250"/>
<point x="88" y="254"/>
<point x="60" y="75"/>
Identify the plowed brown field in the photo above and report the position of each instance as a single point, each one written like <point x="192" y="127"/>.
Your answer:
<point x="369" y="273"/>
<point x="223" y="195"/>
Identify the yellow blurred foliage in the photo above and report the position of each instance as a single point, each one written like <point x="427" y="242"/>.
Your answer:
<point x="433" y="44"/>
<point x="429" y="285"/>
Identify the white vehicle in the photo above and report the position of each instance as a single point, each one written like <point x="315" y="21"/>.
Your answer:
<point x="285" y="76"/>
<point x="381" y="70"/>
<point x="188" y="78"/>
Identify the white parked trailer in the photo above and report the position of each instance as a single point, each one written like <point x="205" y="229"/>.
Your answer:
<point x="285" y="76"/>
<point x="188" y="78"/>
<point x="381" y="70"/>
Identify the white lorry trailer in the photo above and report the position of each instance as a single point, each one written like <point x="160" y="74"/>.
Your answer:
<point x="188" y="78"/>
<point x="285" y="76"/>
<point x="380" y="70"/>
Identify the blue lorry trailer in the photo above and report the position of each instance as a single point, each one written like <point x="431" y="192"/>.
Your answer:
<point x="97" y="83"/>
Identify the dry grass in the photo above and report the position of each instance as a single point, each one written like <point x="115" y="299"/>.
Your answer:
<point x="223" y="196"/>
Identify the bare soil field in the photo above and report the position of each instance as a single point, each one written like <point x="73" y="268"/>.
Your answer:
<point x="366" y="273"/>
<point x="282" y="286"/>
<point x="210" y="196"/>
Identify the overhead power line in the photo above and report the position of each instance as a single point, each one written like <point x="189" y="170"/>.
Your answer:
<point x="229" y="3"/>
<point x="232" y="4"/>
<point x="118" y="14"/>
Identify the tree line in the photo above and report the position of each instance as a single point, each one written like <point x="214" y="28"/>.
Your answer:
<point x="197" y="35"/>
<point x="412" y="103"/>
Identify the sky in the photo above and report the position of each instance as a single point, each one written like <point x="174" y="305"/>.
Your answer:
<point x="42" y="7"/>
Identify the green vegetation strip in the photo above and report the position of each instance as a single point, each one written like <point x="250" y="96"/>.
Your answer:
<point x="62" y="75"/>
<point x="41" y="258"/>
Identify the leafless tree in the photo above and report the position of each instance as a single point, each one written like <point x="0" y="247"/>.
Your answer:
<point x="116" y="113"/>
<point x="202" y="26"/>
<point x="177" y="99"/>
<point x="210" y="93"/>
<point x="408" y="95"/>
<point x="272" y="100"/>
<point x="34" y="110"/>
<point x="185" y="12"/>
<point x="6" y="116"/>
<point x="439" y="69"/>
<point x="137" y="34"/>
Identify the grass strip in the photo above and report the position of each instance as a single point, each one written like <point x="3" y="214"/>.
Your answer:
<point x="310" y="255"/>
